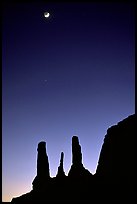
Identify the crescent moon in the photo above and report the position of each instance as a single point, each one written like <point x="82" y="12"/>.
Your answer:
<point x="46" y="14"/>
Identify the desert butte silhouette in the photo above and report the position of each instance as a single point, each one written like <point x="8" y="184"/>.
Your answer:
<point x="113" y="182"/>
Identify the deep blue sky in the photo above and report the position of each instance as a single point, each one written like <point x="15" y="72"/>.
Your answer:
<point x="71" y="74"/>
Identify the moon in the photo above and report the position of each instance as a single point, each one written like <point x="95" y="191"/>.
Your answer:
<point x="46" y="14"/>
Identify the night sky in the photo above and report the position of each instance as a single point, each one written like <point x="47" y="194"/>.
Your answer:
<point x="70" y="74"/>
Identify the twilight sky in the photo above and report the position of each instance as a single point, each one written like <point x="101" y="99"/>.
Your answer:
<point x="71" y="74"/>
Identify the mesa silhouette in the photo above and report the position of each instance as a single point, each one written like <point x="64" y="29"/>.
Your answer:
<point x="113" y="182"/>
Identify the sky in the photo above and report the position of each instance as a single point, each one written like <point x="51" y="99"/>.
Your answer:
<point x="69" y="74"/>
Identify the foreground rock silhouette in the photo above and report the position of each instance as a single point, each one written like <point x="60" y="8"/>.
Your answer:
<point x="43" y="174"/>
<point x="113" y="182"/>
<point x="61" y="173"/>
<point x="77" y="169"/>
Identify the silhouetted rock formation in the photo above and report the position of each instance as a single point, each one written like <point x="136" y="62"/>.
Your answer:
<point x="116" y="165"/>
<point x="61" y="172"/>
<point x="113" y="183"/>
<point x="77" y="170"/>
<point x="76" y="152"/>
<point x="42" y="167"/>
<point x="117" y="157"/>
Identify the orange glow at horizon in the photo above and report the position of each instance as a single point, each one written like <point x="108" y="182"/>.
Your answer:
<point x="9" y="191"/>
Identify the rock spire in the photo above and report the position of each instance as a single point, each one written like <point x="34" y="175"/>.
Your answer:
<point x="42" y="160"/>
<point x="43" y="173"/>
<point x="77" y="169"/>
<point x="76" y="151"/>
<point x="61" y="172"/>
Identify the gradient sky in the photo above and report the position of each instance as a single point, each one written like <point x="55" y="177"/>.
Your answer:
<point x="71" y="74"/>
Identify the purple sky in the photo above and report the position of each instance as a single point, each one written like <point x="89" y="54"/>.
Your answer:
<point x="71" y="74"/>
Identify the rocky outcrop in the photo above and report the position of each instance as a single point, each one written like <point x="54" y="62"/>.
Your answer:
<point x="117" y="156"/>
<point x="113" y="182"/>
<point x="61" y="172"/>
<point x="43" y="173"/>
<point x="116" y="170"/>
<point x="76" y="152"/>
<point x="42" y="161"/>
<point x="77" y="169"/>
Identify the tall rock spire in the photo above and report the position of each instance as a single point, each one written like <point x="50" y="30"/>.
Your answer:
<point x="77" y="169"/>
<point x="76" y="151"/>
<point x="42" y="161"/>
<point x="42" y="167"/>
<point x="60" y="172"/>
